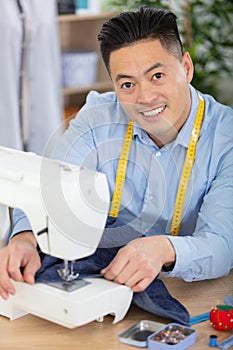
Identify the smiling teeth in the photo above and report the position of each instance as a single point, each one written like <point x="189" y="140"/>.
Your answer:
<point x="154" y="112"/>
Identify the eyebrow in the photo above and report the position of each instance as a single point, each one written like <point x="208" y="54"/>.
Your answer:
<point x="156" y="65"/>
<point x="125" y="76"/>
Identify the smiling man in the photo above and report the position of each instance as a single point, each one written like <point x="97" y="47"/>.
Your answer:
<point x="154" y="87"/>
<point x="167" y="152"/>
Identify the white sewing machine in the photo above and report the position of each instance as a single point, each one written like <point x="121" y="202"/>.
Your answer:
<point x="67" y="208"/>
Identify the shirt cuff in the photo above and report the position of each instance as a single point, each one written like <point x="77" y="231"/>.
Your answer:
<point x="21" y="223"/>
<point x="181" y="267"/>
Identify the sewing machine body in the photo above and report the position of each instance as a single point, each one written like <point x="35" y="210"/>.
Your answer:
<point x="67" y="207"/>
<point x="96" y="299"/>
<point x="66" y="204"/>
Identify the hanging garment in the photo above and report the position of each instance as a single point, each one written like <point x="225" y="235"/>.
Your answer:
<point x="30" y="74"/>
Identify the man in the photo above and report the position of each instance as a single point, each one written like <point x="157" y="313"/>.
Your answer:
<point x="179" y="211"/>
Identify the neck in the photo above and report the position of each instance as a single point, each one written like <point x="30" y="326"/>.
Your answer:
<point x="163" y="140"/>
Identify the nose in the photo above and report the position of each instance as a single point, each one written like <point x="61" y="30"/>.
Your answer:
<point x="146" y="94"/>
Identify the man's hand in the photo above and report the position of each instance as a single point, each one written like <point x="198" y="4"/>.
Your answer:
<point x="138" y="263"/>
<point x="19" y="260"/>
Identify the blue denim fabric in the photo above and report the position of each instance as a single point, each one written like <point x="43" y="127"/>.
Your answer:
<point x="155" y="299"/>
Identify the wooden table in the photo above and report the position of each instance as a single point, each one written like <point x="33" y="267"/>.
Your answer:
<point x="31" y="332"/>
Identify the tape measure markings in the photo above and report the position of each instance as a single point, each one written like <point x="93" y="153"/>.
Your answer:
<point x="185" y="175"/>
<point x="121" y="171"/>
<point x="187" y="169"/>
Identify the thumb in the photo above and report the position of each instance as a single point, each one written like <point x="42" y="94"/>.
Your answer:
<point x="29" y="275"/>
<point x="29" y="272"/>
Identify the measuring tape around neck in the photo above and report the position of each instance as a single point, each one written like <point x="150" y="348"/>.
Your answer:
<point x="187" y="168"/>
<point x="121" y="171"/>
<point x="185" y="176"/>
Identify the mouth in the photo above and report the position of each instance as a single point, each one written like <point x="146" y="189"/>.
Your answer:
<point x="153" y="112"/>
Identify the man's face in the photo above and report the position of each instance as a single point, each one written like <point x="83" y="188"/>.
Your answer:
<point x="153" y="87"/>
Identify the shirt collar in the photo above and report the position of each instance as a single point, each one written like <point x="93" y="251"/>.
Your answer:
<point x="183" y="137"/>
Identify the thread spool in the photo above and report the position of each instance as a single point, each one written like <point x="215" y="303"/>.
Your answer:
<point x="213" y="341"/>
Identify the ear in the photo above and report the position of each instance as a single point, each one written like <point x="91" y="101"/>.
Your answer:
<point x="188" y="66"/>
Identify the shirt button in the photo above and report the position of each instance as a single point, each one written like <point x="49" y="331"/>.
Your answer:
<point x="158" y="154"/>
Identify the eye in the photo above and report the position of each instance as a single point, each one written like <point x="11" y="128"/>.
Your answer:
<point x="157" y="76"/>
<point x="127" y="85"/>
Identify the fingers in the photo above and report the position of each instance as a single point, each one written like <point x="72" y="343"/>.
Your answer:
<point x="31" y="268"/>
<point x="138" y="263"/>
<point x="6" y="287"/>
<point x="13" y="267"/>
<point x="18" y="261"/>
<point x="4" y="294"/>
<point x="137" y="281"/>
<point x="141" y="285"/>
<point x="130" y="268"/>
<point x="118" y="264"/>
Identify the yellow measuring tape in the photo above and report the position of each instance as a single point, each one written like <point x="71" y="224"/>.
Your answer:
<point x="121" y="171"/>
<point x="187" y="168"/>
<point x="185" y="176"/>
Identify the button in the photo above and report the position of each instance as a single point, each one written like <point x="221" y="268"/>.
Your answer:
<point x="158" y="154"/>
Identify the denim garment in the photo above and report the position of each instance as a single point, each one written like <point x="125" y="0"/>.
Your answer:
<point x="155" y="299"/>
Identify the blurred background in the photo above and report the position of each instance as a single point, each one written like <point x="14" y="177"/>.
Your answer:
<point x="50" y="59"/>
<point x="206" y="29"/>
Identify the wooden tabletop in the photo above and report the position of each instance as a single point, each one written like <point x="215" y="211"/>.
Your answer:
<point x="31" y="332"/>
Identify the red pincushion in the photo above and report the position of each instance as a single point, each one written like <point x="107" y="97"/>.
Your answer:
<point x="221" y="317"/>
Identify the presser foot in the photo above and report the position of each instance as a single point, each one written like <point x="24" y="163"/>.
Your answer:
<point x="70" y="281"/>
<point x="69" y="286"/>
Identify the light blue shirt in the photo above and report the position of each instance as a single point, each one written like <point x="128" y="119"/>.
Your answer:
<point x="204" y="247"/>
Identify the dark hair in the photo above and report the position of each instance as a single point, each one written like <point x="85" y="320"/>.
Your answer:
<point x="146" y="23"/>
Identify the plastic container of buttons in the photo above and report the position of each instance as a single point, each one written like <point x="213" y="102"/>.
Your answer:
<point x="172" y="336"/>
